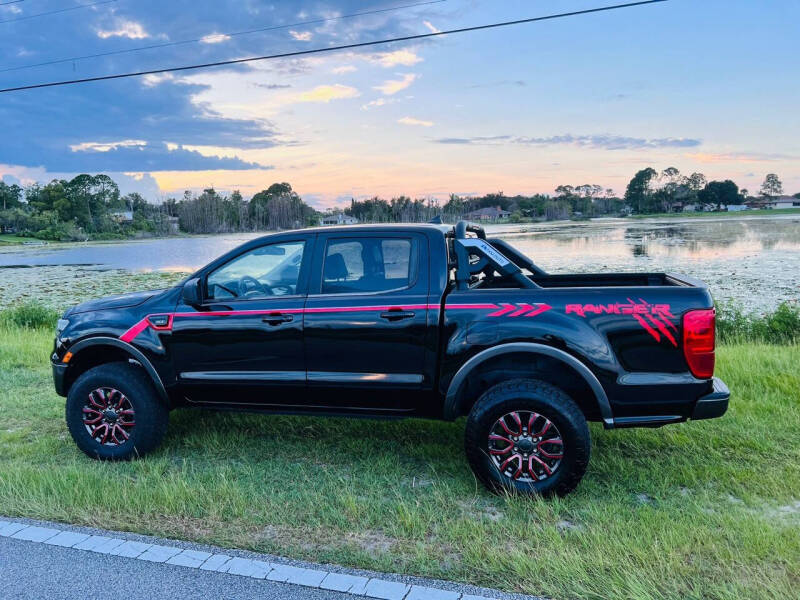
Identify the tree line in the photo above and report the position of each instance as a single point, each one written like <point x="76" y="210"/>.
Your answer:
<point x="92" y="207"/>
<point x="648" y="192"/>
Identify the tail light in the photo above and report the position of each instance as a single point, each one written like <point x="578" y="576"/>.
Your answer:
<point x="698" y="342"/>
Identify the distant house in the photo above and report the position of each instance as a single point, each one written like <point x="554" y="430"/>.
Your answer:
<point x="736" y="207"/>
<point x="491" y="213"/>
<point x="759" y="203"/>
<point x="173" y="224"/>
<point x="338" y="219"/>
<point x="122" y="216"/>
<point x="787" y="202"/>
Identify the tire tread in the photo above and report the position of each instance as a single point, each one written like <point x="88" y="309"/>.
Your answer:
<point x="508" y="393"/>
<point x="151" y="415"/>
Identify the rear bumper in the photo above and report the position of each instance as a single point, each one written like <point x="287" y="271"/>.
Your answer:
<point x="59" y="376"/>
<point x="709" y="406"/>
<point x="713" y="405"/>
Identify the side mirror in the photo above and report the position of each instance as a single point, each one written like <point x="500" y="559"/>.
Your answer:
<point x="191" y="292"/>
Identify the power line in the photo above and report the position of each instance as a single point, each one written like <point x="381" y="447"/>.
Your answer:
<point x="55" y="12"/>
<point x="12" y="2"/>
<point x="231" y="34"/>
<point x="329" y="48"/>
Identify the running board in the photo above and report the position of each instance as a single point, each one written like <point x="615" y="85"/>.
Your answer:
<point x="648" y="421"/>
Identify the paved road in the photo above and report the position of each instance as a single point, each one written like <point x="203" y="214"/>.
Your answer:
<point x="29" y="571"/>
<point x="56" y="561"/>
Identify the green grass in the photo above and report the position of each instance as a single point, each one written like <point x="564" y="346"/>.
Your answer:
<point x="12" y="238"/>
<point x="696" y="510"/>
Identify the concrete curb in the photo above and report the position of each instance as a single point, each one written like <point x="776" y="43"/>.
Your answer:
<point x="245" y="564"/>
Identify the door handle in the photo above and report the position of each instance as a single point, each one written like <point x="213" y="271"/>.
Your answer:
<point x="397" y="314"/>
<point x="277" y="319"/>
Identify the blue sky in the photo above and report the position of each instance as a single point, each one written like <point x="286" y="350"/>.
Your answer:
<point x="707" y="86"/>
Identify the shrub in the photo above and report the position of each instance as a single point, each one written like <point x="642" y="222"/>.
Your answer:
<point x="779" y="327"/>
<point x="31" y="315"/>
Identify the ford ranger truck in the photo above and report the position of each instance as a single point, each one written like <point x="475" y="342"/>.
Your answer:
<point x="396" y="321"/>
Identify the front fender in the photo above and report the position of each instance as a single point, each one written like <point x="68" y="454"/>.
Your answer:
<point x="60" y="370"/>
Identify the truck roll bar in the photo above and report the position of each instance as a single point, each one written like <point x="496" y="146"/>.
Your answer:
<point x="487" y="255"/>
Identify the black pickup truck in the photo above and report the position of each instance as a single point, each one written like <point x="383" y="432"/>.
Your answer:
<point x="397" y="321"/>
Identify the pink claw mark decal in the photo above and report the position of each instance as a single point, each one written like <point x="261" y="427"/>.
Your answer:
<point x="656" y="319"/>
<point x="525" y="446"/>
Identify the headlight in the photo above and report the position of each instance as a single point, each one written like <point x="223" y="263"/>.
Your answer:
<point x="61" y="326"/>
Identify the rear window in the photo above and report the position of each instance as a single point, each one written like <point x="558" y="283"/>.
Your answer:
<point x="365" y="265"/>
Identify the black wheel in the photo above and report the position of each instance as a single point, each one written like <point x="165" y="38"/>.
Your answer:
<point x="527" y="436"/>
<point x="113" y="412"/>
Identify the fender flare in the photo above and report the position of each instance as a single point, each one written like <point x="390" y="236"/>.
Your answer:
<point x="451" y="399"/>
<point x="136" y="354"/>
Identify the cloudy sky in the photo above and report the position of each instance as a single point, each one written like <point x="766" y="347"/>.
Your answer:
<point x="709" y="86"/>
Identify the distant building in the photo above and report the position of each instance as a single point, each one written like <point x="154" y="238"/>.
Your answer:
<point x="491" y="213"/>
<point x="173" y="223"/>
<point x="338" y="219"/>
<point x="122" y="216"/>
<point x="759" y="204"/>
<point x="736" y="207"/>
<point x="787" y="202"/>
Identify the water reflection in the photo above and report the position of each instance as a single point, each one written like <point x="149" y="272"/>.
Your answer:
<point x="755" y="261"/>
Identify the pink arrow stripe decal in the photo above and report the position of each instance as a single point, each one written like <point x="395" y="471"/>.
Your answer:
<point x="541" y="308"/>
<point x="525" y="308"/>
<point x="507" y="308"/>
<point x="135" y="330"/>
<point x="472" y="306"/>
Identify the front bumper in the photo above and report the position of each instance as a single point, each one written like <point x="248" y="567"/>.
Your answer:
<point x="59" y="377"/>
<point x="714" y="404"/>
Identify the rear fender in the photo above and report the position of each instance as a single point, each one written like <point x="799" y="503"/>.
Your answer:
<point x="453" y="398"/>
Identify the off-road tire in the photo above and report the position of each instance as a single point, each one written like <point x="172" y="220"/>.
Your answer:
<point x="547" y="400"/>
<point x="150" y="413"/>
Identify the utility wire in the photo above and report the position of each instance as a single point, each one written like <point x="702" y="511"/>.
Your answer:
<point x="12" y="2"/>
<point x="55" y="12"/>
<point x="329" y="48"/>
<point x="231" y="34"/>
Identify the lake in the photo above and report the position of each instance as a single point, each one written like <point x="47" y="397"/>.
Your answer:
<point x="754" y="261"/>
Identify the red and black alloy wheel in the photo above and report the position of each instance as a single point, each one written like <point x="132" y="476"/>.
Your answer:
<point x="114" y="413"/>
<point x="527" y="436"/>
<point x="108" y="416"/>
<point x="526" y="446"/>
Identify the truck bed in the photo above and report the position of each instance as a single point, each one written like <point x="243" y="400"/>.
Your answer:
<point x="601" y="280"/>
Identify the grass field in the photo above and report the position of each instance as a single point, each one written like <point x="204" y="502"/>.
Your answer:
<point x="696" y="510"/>
<point x="10" y="238"/>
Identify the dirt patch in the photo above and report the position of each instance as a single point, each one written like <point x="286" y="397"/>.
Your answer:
<point x="788" y="511"/>
<point x="374" y="543"/>
<point x="565" y="525"/>
<point x="482" y="511"/>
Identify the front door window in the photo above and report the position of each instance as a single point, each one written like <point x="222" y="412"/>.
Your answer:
<point x="264" y="272"/>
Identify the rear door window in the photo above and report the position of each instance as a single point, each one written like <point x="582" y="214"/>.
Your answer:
<point x="369" y="265"/>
